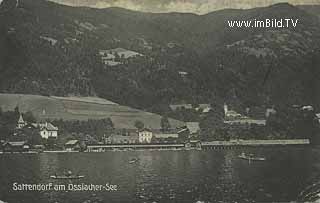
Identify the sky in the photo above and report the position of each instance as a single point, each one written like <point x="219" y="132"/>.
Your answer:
<point x="184" y="6"/>
<point x="189" y="6"/>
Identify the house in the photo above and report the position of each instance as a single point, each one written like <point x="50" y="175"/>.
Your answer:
<point x="21" y="123"/>
<point x="204" y="108"/>
<point x="165" y="135"/>
<point x="72" y="145"/>
<point x="47" y="130"/>
<point x="307" y="108"/>
<point x="109" y="57"/>
<point x="270" y="111"/>
<point x="230" y="114"/>
<point x="145" y="135"/>
<point x="121" y="139"/>
<point x="175" y="107"/>
<point x="193" y="144"/>
<point x="162" y="137"/>
<point x="20" y="146"/>
<point x="318" y="117"/>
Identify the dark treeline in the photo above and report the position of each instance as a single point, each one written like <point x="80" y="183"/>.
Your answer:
<point x="91" y="129"/>
<point x="287" y="123"/>
<point x="9" y="119"/>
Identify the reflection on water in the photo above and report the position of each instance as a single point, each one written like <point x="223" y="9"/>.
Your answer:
<point x="165" y="176"/>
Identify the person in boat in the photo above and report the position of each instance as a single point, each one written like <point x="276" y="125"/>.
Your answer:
<point x="69" y="173"/>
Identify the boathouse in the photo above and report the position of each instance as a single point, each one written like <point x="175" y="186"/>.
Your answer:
<point x="21" y="146"/>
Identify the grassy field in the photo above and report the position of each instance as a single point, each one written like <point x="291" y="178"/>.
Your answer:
<point x="81" y="108"/>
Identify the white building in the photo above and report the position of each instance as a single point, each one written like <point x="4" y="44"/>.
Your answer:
<point x="230" y="114"/>
<point x="47" y="130"/>
<point x="145" y="136"/>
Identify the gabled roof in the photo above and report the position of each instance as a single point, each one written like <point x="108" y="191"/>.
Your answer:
<point x="16" y="144"/>
<point x="176" y="106"/>
<point x="72" y="142"/>
<point x="48" y="126"/>
<point x="182" y="130"/>
<point x="145" y="129"/>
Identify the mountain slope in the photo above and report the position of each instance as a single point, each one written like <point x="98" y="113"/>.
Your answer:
<point x="52" y="49"/>
<point x="80" y="108"/>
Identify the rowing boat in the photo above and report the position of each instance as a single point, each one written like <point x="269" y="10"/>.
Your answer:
<point x="66" y="177"/>
<point x="251" y="157"/>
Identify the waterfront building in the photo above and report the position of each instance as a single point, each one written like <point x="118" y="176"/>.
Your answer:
<point x="72" y="145"/>
<point x="318" y="117"/>
<point x="165" y="137"/>
<point x="121" y="139"/>
<point x="20" y="146"/>
<point x="145" y="135"/>
<point x="46" y="130"/>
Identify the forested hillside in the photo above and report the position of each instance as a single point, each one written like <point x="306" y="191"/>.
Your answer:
<point x="51" y="49"/>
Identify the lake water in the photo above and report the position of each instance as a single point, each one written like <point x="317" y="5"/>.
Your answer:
<point x="165" y="176"/>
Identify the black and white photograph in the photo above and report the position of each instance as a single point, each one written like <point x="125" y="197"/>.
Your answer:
<point x="159" y="101"/>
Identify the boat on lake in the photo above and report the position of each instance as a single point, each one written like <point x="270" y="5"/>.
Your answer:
<point x="66" y="177"/>
<point x="251" y="157"/>
<point x="134" y="160"/>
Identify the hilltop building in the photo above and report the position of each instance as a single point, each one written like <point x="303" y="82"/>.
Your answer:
<point x="230" y="114"/>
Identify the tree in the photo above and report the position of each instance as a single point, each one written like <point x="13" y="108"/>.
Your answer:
<point x="212" y="124"/>
<point x="165" y="124"/>
<point x="29" y="117"/>
<point x="17" y="111"/>
<point x="139" y="124"/>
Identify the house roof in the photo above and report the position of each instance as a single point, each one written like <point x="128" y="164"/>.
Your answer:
<point x="175" y="106"/>
<point x="48" y="126"/>
<point x="182" y="130"/>
<point x="166" y="135"/>
<point x="72" y="142"/>
<point x="193" y="127"/>
<point x="123" y="138"/>
<point x="16" y="144"/>
<point x="145" y="129"/>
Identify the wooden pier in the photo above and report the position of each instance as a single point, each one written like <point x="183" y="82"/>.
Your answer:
<point x="102" y="148"/>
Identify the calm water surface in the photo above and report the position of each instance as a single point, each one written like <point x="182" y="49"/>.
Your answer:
<point x="165" y="176"/>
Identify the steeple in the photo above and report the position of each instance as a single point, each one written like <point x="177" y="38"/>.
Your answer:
<point x="21" y="122"/>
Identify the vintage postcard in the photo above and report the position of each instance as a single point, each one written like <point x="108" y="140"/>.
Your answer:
<point x="159" y="101"/>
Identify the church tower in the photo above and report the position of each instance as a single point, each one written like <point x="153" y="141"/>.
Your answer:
<point x="21" y="122"/>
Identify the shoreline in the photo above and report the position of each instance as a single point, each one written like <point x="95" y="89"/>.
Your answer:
<point x="232" y="144"/>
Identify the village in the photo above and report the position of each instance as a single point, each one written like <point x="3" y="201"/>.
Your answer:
<point x="45" y="137"/>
